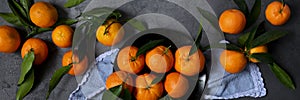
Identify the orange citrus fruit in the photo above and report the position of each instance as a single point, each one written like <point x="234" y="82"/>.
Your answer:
<point x="43" y="14"/>
<point x="119" y="78"/>
<point x="189" y="65"/>
<point x="233" y="61"/>
<point x="277" y="13"/>
<point x="232" y="21"/>
<point x="62" y="36"/>
<point x="127" y="60"/>
<point x="9" y="39"/>
<point x="160" y="59"/>
<point x="110" y="33"/>
<point x="79" y="67"/>
<point x="259" y="49"/>
<point x="39" y="48"/>
<point x="147" y="91"/>
<point x="176" y="85"/>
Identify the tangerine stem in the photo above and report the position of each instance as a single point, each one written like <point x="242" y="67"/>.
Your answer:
<point x="166" y="51"/>
<point x="106" y="29"/>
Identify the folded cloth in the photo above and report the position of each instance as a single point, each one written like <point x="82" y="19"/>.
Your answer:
<point x="220" y="85"/>
<point x="93" y="82"/>
<point x="223" y="85"/>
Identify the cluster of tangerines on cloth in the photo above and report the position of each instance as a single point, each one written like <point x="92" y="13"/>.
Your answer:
<point x="252" y="46"/>
<point x="159" y="60"/>
<point x="35" y="18"/>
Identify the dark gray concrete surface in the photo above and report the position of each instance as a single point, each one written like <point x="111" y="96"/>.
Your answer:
<point x="284" y="51"/>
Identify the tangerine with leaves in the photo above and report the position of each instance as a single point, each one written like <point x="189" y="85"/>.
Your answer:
<point x="277" y="13"/>
<point x="43" y="14"/>
<point x="176" y="85"/>
<point x="146" y="89"/>
<point x="39" y="48"/>
<point x="128" y="62"/>
<point x="232" y="21"/>
<point x="9" y="39"/>
<point x="62" y="36"/>
<point x="110" y="33"/>
<point x="258" y="49"/>
<point x="160" y="59"/>
<point x="119" y="78"/>
<point x="233" y="61"/>
<point x="189" y="64"/>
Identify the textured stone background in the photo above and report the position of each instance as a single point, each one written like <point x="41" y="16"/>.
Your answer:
<point x="285" y="51"/>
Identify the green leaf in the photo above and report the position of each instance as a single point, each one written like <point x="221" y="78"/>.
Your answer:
<point x="263" y="57"/>
<point x="11" y="18"/>
<point x="148" y="46"/>
<point x="37" y="31"/>
<point x="254" y="14"/>
<point x="97" y="12"/>
<point x="196" y="44"/>
<point x="212" y="19"/>
<point x="26" y="5"/>
<point x="137" y="24"/>
<point x="246" y="39"/>
<point x="243" y="6"/>
<point x="18" y="11"/>
<point x="157" y="79"/>
<point x="268" y="37"/>
<point x="58" y="74"/>
<point x="167" y="97"/>
<point x="283" y="77"/>
<point x="26" y="66"/>
<point x="233" y="47"/>
<point x="112" y="93"/>
<point x="65" y="21"/>
<point x="126" y="95"/>
<point x="26" y="86"/>
<point x="72" y="3"/>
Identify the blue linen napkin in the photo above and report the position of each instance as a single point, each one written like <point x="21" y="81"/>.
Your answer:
<point x="221" y="85"/>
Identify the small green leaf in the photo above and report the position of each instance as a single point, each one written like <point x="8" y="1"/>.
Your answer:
<point x="58" y="74"/>
<point x="196" y="44"/>
<point x="26" y="66"/>
<point x="72" y="3"/>
<point x="263" y="57"/>
<point x="148" y="46"/>
<point x="157" y="79"/>
<point x="65" y="21"/>
<point x="11" y="18"/>
<point x="26" y="86"/>
<point x="254" y="14"/>
<point x="137" y="24"/>
<point x="126" y="95"/>
<point x="283" y="77"/>
<point x="243" y="39"/>
<point x="233" y="47"/>
<point x="15" y="8"/>
<point x="112" y="93"/>
<point x="268" y="37"/>
<point x="243" y="6"/>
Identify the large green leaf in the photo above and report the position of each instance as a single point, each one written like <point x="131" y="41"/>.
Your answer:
<point x="26" y="86"/>
<point x="283" y="77"/>
<point x="18" y="11"/>
<point x="268" y="37"/>
<point x="26" y="66"/>
<point x="11" y="18"/>
<point x="243" y="6"/>
<point x="137" y="24"/>
<point x="58" y="74"/>
<point x="254" y="14"/>
<point x="112" y="93"/>
<point x="263" y="57"/>
<point x="26" y="5"/>
<point x="72" y="3"/>
<point x="148" y="46"/>
<point x="196" y="44"/>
